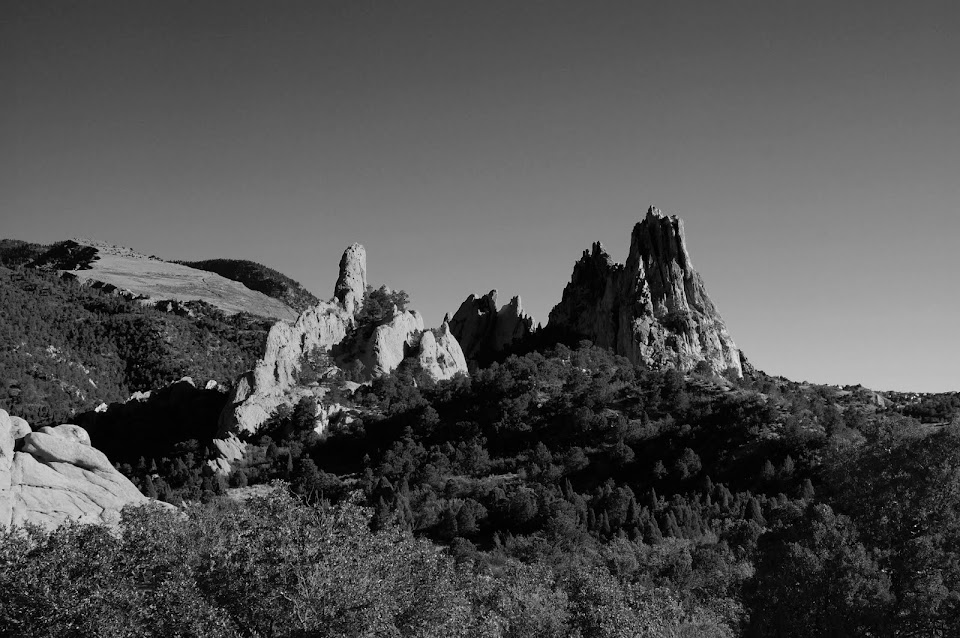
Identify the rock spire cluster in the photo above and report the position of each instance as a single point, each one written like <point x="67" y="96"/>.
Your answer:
<point x="324" y="328"/>
<point x="653" y="309"/>
<point x="483" y="329"/>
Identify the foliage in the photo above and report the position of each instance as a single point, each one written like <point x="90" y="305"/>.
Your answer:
<point x="67" y="347"/>
<point x="378" y="304"/>
<point x="272" y="566"/>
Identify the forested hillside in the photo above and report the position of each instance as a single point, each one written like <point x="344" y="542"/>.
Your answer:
<point x="260" y="278"/>
<point x="66" y="348"/>
<point x="572" y="475"/>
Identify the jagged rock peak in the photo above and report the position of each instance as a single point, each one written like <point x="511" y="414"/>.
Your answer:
<point x="352" y="280"/>
<point x="654" y="309"/>
<point x="483" y="329"/>
<point x="660" y="238"/>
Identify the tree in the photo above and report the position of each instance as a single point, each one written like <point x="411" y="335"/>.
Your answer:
<point x="815" y="578"/>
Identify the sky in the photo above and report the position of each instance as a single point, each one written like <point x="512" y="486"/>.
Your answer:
<point x="811" y="148"/>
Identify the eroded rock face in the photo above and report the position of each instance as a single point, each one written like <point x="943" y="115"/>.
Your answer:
<point x="53" y="475"/>
<point x="392" y="342"/>
<point x="440" y="355"/>
<point x="482" y="329"/>
<point x="352" y="282"/>
<point x="259" y="392"/>
<point x="654" y="309"/>
<point x="273" y="382"/>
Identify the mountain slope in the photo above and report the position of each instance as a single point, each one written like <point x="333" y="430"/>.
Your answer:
<point x="66" y="347"/>
<point x="260" y="278"/>
<point x="153" y="278"/>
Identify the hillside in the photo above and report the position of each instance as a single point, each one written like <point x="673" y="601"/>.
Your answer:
<point x="563" y="493"/>
<point x="260" y="278"/>
<point x="652" y="484"/>
<point x="65" y="348"/>
<point x="155" y="279"/>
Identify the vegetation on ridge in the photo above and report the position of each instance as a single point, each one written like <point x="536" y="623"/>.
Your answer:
<point x="66" y="347"/>
<point x="260" y="278"/>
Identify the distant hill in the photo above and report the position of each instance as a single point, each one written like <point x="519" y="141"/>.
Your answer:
<point x="152" y="278"/>
<point x="260" y="278"/>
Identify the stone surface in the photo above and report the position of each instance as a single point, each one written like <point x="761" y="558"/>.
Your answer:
<point x="259" y="392"/>
<point x="324" y="329"/>
<point x="391" y="343"/>
<point x="53" y="475"/>
<point x="483" y="330"/>
<point x="135" y="276"/>
<point x="352" y="283"/>
<point x="20" y="427"/>
<point x="440" y="355"/>
<point x="654" y="309"/>
<point x="69" y="432"/>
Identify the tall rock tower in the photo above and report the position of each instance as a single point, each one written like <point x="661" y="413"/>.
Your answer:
<point x="654" y="309"/>
<point x="352" y="283"/>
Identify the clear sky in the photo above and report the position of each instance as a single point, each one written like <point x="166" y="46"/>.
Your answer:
<point x="812" y="148"/>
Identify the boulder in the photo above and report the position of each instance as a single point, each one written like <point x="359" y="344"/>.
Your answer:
<point x="654" y="309"/>
<point x="20" y="427"/>
<point x="69" y="432"/>
<point x="54" y="475"/>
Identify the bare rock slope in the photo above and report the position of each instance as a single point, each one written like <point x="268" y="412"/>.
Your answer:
<point x="654" y="309"/>
<point x="53" y="475"/>
<point x="153" y="279"/>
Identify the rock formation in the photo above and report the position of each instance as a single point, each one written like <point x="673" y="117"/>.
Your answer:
<point x="330" y="328"/>
<point x="653" y="309"/>
<point x="391" y="343"/>
<point x="54" y="475"/>
<point x="352" y="282"/>
<point x="483" y="330"/>
<point x="259" y="392"/>
<point x="440" y="354"/>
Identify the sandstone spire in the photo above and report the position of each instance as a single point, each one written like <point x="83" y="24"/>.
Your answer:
<point x="654" y="309"/>
<point x="352" y="281"/>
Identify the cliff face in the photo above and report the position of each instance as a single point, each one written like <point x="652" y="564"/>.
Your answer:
<point x="483" y="329"/>
<point x="654" y="309"/>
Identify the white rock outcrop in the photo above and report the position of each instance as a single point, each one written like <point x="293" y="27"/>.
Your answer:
<point x="440" y="354"/>
<point x="329" y="328"/>
<point x="54" y="475"/>
<point x="259" y="392"/>
<point x="352" y="283"/>
<point x="392" y="342"/>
